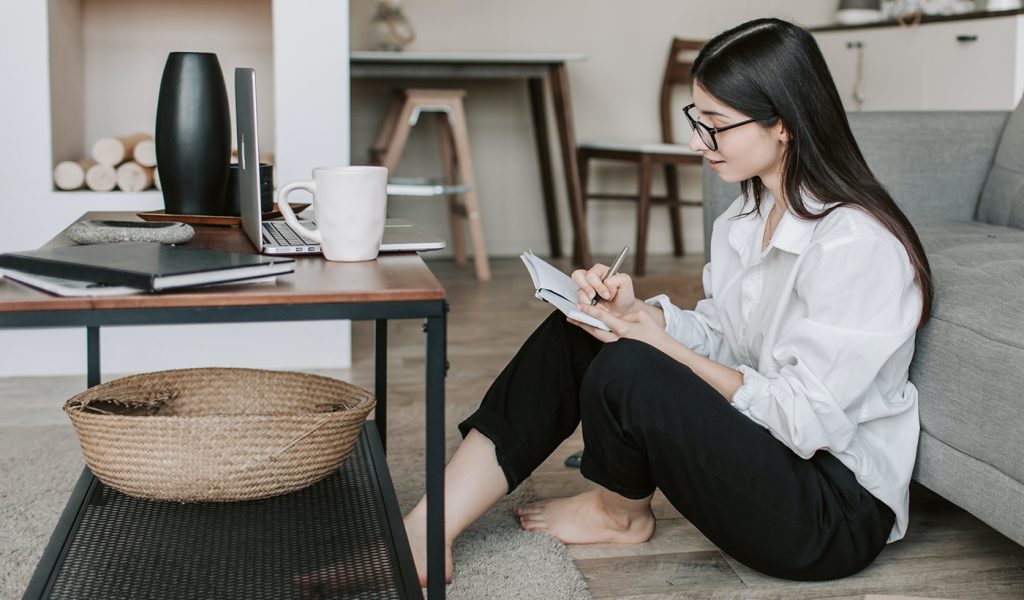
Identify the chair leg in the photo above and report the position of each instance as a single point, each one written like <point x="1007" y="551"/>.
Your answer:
<point x="643" y="215"/>
<point x="465" y="164"/>
<point x="398" y="138"/>
<point x="455" y="211"/>
<point x="583" y="160"/>
<point x="674" y="210"/>
<point x="380" y="146"/>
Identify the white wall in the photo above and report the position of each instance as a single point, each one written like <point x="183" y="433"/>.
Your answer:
<point x="614" y="92"/>
<point x="106" y="77"/>
<point x="126" y="45"/>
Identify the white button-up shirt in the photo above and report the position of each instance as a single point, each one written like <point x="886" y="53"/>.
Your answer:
<point x="821" y="324"/>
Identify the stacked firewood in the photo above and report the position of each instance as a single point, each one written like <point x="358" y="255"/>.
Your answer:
<point x="127" y="163"/>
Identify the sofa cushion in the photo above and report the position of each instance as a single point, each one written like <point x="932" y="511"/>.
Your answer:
<point x="911" y="153"/>
<point x="969" y="361"/>
<point x="1002" y="198"/>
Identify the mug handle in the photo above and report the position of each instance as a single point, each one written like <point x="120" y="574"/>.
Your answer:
<point x="310" y="235"/>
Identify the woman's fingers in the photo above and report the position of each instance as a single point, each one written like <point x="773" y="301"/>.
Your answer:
<point x="600" y="334"/>
<point x="589" y="282"/>
<point x="594" y="278"/>
<point x="579" y="276"/>
<point x="616" y="324"/>
<point x="619" y="281"/>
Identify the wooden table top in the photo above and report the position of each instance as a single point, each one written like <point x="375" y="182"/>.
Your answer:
<point x="496" y="58"/>
<point x="393" y="277"/>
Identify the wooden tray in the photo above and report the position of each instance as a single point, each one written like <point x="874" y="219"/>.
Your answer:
<point x="221" y="221"/>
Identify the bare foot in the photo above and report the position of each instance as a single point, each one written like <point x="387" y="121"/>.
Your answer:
<point x="587" y="518"/>
<point x="416" y="530"/>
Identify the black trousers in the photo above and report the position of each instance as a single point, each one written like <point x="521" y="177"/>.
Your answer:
<point x="649" y="422"/>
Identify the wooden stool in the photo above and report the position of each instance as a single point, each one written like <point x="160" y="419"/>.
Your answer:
<point x="455" y="158"/>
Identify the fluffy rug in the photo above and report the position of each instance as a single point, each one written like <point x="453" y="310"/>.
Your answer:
<point x="494" y="558"/>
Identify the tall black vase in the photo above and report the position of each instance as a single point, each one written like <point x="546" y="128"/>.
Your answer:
<point x="193" y="135"/>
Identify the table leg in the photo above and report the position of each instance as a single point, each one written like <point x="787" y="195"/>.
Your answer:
<point x="92" y="356"/>
<point x="380" y="387"/>
<point x="567" y="139"/>
<point x="543" y="140"/>
<point x="436" y="367"/>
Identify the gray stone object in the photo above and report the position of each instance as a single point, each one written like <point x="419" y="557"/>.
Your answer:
<point x="107" y="232"/>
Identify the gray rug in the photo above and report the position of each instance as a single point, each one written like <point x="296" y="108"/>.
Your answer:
<point x="494" y="559"/>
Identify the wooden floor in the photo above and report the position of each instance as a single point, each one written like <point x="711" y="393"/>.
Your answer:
<point x="947" y="553"/>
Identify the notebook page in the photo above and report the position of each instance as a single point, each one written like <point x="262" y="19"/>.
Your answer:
<point x="557" y="288"/>
<point x="547" y="277"/>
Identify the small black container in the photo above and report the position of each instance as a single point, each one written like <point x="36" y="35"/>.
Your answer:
<point x="193" y="135"/>
<point x="233" y="207"/>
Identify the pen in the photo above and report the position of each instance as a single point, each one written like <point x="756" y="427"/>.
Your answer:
<point x="611" y="271"/>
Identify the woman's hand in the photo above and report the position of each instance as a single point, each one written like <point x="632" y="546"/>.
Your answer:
<point x="615" y="293"/>
<point x="637" y="325"/>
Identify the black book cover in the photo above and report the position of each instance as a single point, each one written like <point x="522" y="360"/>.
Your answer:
<point x="145" y="265"/>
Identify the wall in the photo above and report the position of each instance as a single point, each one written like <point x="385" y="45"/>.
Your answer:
<point x="614" y="92"/>
<point x="126" y="45"/>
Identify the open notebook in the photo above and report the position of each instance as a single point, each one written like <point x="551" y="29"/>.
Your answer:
<point x="557" y="288"/>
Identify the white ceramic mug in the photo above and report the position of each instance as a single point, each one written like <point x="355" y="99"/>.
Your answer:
<point x="350" y="206"/>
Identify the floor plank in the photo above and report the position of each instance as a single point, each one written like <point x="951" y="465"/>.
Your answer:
<point x="696" y="572"/>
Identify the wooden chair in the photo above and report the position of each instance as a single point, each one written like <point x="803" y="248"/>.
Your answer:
<point x="453" y="137"/>
<point x="646" y="156"/>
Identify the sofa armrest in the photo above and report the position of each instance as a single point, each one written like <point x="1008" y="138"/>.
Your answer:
<point x="933" y="163"/>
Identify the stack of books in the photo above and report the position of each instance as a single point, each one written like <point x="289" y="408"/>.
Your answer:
<point x="135" y="267"/>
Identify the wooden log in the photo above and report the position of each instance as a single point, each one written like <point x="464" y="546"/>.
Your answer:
<point x="101" y="178"/>
<point x="70" y="174"/>
<point x="145" y="153"/>
<point x="113" y="151"/>
<point x="133" y="177"/>
<point x="156" y="178"/>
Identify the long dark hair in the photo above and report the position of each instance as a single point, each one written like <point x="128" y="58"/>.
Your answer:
<point x="770" y="69"/>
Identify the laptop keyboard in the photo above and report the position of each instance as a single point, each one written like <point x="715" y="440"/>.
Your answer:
<point x="283" y="235"/>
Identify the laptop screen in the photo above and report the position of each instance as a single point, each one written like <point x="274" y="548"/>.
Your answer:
<point x="248" y="154"/>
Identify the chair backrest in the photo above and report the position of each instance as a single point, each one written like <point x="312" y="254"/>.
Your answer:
<point x="677" y="72"/>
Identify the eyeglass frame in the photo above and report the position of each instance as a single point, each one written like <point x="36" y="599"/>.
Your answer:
<point x="712" y="131"/>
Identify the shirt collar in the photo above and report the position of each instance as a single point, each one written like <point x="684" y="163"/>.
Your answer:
<point x="792" y="235"/>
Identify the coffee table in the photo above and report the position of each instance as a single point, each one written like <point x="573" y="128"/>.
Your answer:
<point x="395" y="286"/>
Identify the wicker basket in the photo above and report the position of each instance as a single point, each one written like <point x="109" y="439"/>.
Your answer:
<point x="218" y="435"/>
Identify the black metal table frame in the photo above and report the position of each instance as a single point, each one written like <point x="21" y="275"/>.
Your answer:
<point x="433" y="311"/>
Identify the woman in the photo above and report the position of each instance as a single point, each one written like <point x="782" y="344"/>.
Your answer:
<point x="777" y="416"/>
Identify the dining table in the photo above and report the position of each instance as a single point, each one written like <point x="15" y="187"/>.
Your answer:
<point x="538" y="70"/>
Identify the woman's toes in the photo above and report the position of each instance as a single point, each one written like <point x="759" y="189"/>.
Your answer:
<point x="530" y="509"/>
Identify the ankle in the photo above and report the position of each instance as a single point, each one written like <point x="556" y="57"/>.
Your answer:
<point x="416" y="525"/>
<point x="416" y="519"/>
<point x="622" y="513"/>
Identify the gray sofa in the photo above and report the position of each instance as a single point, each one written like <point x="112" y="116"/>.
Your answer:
<point x="959" y="177"/>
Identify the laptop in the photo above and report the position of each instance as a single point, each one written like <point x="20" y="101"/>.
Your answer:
<point x="276" y="237"/>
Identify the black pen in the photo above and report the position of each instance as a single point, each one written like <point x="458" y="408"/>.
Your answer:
<point x="611" y="271"/>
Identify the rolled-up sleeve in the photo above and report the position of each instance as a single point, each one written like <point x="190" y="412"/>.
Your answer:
<point x="855" y="306"/>
<point x="699" y="329"/>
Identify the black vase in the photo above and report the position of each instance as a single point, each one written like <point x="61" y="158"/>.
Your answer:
<point x="193" y="135"/>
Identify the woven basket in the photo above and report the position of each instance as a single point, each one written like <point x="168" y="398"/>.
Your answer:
<point x="219" y="435"/>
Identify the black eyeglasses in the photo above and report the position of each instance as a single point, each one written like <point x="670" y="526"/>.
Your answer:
<point x="706" y="133"/>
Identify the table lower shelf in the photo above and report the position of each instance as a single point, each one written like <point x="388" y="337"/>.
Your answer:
<point x="341" y="537"/>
